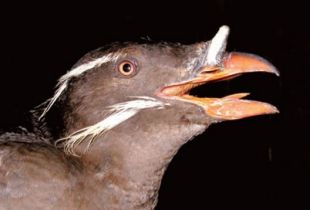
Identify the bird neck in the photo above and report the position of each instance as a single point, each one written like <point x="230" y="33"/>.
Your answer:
<point x="129" y="167"/>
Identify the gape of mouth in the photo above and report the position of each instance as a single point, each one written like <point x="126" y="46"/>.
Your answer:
<point x="189" y="88"/>
<point x="222" y="88"/>
<point x="230" y="107"/>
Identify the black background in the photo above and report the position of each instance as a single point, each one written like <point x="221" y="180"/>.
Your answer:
<point x="257" y="163"/>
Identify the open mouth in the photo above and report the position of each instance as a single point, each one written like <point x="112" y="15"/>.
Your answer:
<point x="230" y="107"/>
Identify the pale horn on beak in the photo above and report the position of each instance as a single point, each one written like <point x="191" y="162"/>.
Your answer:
<point x="217" y="47"/>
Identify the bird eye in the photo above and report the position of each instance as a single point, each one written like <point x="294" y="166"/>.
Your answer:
<point x="127" y="68"/>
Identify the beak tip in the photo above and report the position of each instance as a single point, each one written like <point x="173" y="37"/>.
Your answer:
<point x="274" y="70"/>
<point x="270" y="109"/>
<point x="245" y="63"/>
<point x="275" y="110"/>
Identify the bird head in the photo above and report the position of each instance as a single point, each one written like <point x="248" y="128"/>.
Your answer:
<point x="145" y="88"/>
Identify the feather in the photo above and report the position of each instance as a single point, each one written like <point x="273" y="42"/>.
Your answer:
<point x="75" y="72"/>
<point x="116" y="114"/>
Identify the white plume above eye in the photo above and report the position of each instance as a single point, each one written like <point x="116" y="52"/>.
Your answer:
<point x="116" y="114"/>
<point x="75" y="72"/>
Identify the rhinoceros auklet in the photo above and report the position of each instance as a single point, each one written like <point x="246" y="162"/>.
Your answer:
<point x="122" y="114"/>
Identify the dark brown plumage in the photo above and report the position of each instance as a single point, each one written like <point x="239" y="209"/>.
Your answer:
<point x="117" y="119"/>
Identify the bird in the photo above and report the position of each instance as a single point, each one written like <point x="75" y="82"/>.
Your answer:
<point x="116" y="120"/>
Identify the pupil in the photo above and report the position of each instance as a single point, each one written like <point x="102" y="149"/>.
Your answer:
<point x="127" y="67"/>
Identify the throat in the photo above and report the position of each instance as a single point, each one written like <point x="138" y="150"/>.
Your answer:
<point x="128" y="169"/>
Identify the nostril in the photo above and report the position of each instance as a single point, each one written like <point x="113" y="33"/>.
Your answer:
<point x="210" y="70"/>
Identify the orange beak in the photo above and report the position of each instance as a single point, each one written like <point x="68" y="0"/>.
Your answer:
<point x="231" y="107"/>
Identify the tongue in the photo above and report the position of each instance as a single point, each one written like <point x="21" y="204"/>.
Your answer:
<point x="237" y="95"/>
